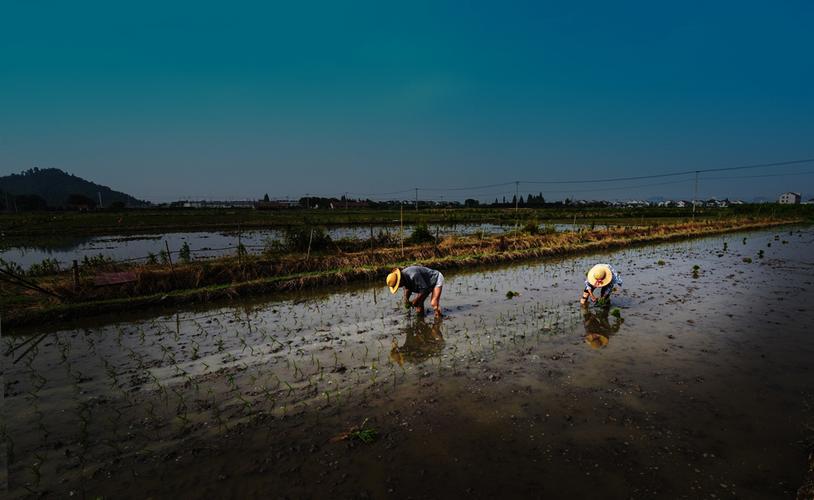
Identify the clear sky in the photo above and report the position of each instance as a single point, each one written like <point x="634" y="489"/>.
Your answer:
<point x="233" y="100"/>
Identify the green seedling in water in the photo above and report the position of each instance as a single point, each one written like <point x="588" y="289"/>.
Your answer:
<point x="661" y="262"/>
<point x="760" y="254"/>
<point x="512" y="294"/>
<point x="695" y="268"/>
<point x="748" y="260"/>
<point x="617" y="313"/>
<point x="361" y="433"/>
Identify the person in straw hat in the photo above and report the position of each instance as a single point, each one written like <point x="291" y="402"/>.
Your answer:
<point x="421" y="280"/>
<point x="601" y="276"/>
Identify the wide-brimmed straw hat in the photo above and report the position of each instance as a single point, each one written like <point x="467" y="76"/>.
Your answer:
<point x="600" y="275"/>
<point x="394" y="280"/>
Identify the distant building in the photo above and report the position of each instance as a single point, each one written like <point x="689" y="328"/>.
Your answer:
<point x="789" y="199"/>
<point x="276" y="204"/>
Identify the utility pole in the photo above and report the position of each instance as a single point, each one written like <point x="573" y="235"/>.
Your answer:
<point x="516" y="200"/>
<point x="346" y="200"/>
<point x="416" y="199"/>
<point x="695" y="195"/>
<point x="100" y="198"/>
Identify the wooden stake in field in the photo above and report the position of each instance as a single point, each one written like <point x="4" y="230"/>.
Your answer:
<point x="169" y="259"/>
<point x="401" y="227"/>
<point x="75" y="275"/>
<point x="310" y="239"/>
<point x="239" y="250"/>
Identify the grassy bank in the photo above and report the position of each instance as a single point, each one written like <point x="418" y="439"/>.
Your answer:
<point x="248" y="275"/>
<point x="103" y="222"/>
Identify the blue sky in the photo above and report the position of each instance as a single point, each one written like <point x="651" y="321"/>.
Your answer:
<point x="236" y="100"/>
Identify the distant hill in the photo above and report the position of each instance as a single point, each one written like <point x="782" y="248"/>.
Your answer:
<point x="60" y="189"/>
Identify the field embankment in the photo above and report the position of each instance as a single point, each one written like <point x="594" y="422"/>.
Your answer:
<point x="62" y="296"/>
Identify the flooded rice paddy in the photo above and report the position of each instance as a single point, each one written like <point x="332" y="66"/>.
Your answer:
<point x="204" y="244"/>
<point x="696" y="382"/>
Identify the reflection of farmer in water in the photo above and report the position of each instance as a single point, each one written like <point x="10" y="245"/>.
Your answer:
<point x="422" y="341"/>
<point x="598" y="327"/>
<point x="421" y="280"/>
<point x="601" y="276"/>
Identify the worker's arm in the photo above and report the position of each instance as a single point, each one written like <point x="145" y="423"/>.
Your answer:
<point x="586" y="295"/>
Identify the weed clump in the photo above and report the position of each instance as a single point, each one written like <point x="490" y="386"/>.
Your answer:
<point x="298" y="239"/>
<point x="185" y="255"/>
<point x="421" y="234"/>
<point x="361" y="433"/>
<point x="531" y="227"/>
<point x="46" y="267"/>
<point x="512" y="294"/>
<point x="748" y="260"/>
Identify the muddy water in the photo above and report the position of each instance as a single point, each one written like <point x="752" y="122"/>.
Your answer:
<point x="701" y="386"/>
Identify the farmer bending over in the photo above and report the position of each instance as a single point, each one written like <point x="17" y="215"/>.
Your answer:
<point x="603" y="277"/>
<point x="421" y="280"/>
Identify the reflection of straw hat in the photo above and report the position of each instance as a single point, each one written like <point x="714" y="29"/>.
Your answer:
<point x="394" y="280"/>
<point x="600" y="275"/>
<point x="596" y="341"/>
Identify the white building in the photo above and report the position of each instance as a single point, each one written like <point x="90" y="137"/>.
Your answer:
<point x="789" y="199"/>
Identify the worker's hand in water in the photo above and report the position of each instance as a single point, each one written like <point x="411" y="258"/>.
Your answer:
<point x="408" y="304"/>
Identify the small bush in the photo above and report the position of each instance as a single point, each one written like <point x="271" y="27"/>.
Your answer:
<point x="295" y="239"/>
<point x="185" y="255"/>
<point x="46" y="267"/>
<point x="531" y="227"/>
<point x="421" y="234"/>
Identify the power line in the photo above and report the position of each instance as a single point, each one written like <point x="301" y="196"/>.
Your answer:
<point x="675" y="174"/>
